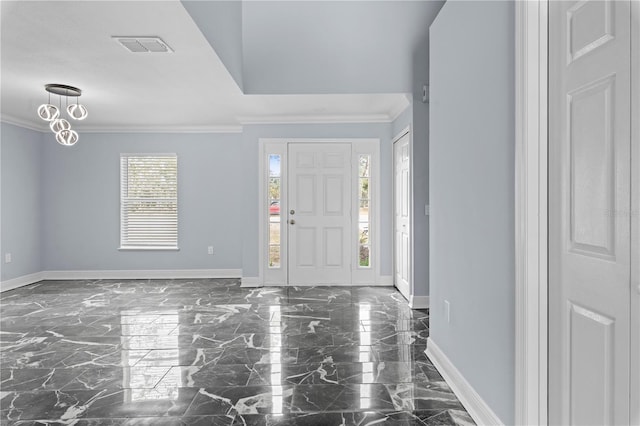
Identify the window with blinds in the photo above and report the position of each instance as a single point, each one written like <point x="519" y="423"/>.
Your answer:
<point x="148" y="201"/>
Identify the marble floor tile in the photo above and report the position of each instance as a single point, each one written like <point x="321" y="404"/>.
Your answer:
<point x="28" y="379"/>
<point x="209" y="352"/>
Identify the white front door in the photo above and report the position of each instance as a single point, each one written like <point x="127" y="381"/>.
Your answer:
<point x="319" y="216"/>
<point x="402" y="241"/>
<point x="589" y="201"/>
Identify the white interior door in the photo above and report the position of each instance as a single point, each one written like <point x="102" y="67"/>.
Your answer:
<point x="589" y="201"/>
<point x="402" y="235"/>
<point x="319" y="217"/>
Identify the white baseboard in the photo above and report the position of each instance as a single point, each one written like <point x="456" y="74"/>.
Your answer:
<point x="143" y="274"/>
<point x="21" y="281"/>
<point x="119" y="275"/>
<point x="250" y="282"/>
<point x="419" y="302"/>
<point x="481" y="413"/>
<point x="383" y="281"/>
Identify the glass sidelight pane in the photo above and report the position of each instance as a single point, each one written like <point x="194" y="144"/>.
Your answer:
<point x="274" y="210"/>
<point x="363" y="214"/>
<point x="273" y="197"/>
<point x="364" y="166"/>
<point x="364" y="256"/>
<point x="274" y="188"/>
<point x="364" y="188"/>
<point x="363" y="233"/>
<point x="274" y="233"/>
<point x="274" y="165"/>
<point x="364" y="218"/>
<point x="274" y="256"/>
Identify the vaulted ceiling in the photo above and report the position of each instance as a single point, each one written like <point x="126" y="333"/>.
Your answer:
<point x="232" y="62"/>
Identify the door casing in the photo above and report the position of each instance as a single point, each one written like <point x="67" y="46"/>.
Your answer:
<point x="531" y="168"/>
<point x="406" y="292"/>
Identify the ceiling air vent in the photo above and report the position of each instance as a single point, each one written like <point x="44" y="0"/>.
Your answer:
<point x="144" y="44"/>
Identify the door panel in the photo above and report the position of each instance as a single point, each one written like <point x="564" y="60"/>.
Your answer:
<point x="334" y="186"/>
<point x="306" y="242"/>
<point x="401" y="212"/>
<point x="592" y="168"/>
<point x="320" y="225"/>
<point x="305" y="194"/>
<point x="590" y="334"/>
<point x="589" y="187"/>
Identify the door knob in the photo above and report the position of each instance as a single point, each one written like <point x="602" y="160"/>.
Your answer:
<point x="293" y="222"/>
<point x="292" y="211"/>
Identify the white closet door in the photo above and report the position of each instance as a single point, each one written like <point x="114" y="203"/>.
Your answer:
<point x="402" y="195"/>
<point x="589" y="236"/>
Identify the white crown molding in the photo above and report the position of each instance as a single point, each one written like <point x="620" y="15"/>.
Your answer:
<point x="481" y="413"/>
<point x="8" y="119"/>
<point x="314" y="119"/>
<point x="400" y="107"/>
<point x="164" y="129"/>
<point x="243" y="120"/>
<point x="114" y="129"/>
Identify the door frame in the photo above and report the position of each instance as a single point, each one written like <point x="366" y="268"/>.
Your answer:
<point x="635" y="215"/>
<point x="531" y="191"/>
<point x="531" y="217"/>
<point x="366" y="146"/>
<point x="400" y="135"/>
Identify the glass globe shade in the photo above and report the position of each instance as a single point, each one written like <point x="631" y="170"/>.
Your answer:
<point x="48" y="112"/>
<point x="67" y="137"/>
<point x="77" y="111"/>
<point x="59" y="125"/>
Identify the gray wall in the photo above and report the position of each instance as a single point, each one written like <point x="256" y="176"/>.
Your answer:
<point x="221" y="24"/>
<point x="420" y="168"/>
<point x="252" y="134"/>
<point x="81" y="202"/>
<point x="332" y="47"/>
<point x="471" y="176"/>
<point x="77" y="197"/>
<point x="21" y="209"/>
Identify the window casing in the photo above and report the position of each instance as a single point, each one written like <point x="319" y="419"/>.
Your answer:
<point x="149" y="201"/>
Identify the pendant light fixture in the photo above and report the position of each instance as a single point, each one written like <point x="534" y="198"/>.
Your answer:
<point x="49" y="112"/>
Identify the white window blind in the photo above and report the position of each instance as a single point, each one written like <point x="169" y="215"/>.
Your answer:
<point x="148" y="201"/>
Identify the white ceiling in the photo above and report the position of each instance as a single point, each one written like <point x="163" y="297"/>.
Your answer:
<point x="70" y="42"/>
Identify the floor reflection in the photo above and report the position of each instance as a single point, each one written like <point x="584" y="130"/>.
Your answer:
<point x="139" y="381"/>
<point x="275" y="345"/>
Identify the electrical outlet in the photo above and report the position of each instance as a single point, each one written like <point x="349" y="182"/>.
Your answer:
<point x="7" y="258"/>
<point x="447" y="311"/>
<point x="210" y="249"/>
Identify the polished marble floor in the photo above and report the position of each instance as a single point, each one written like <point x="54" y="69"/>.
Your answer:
<point x="207" y="352"/>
